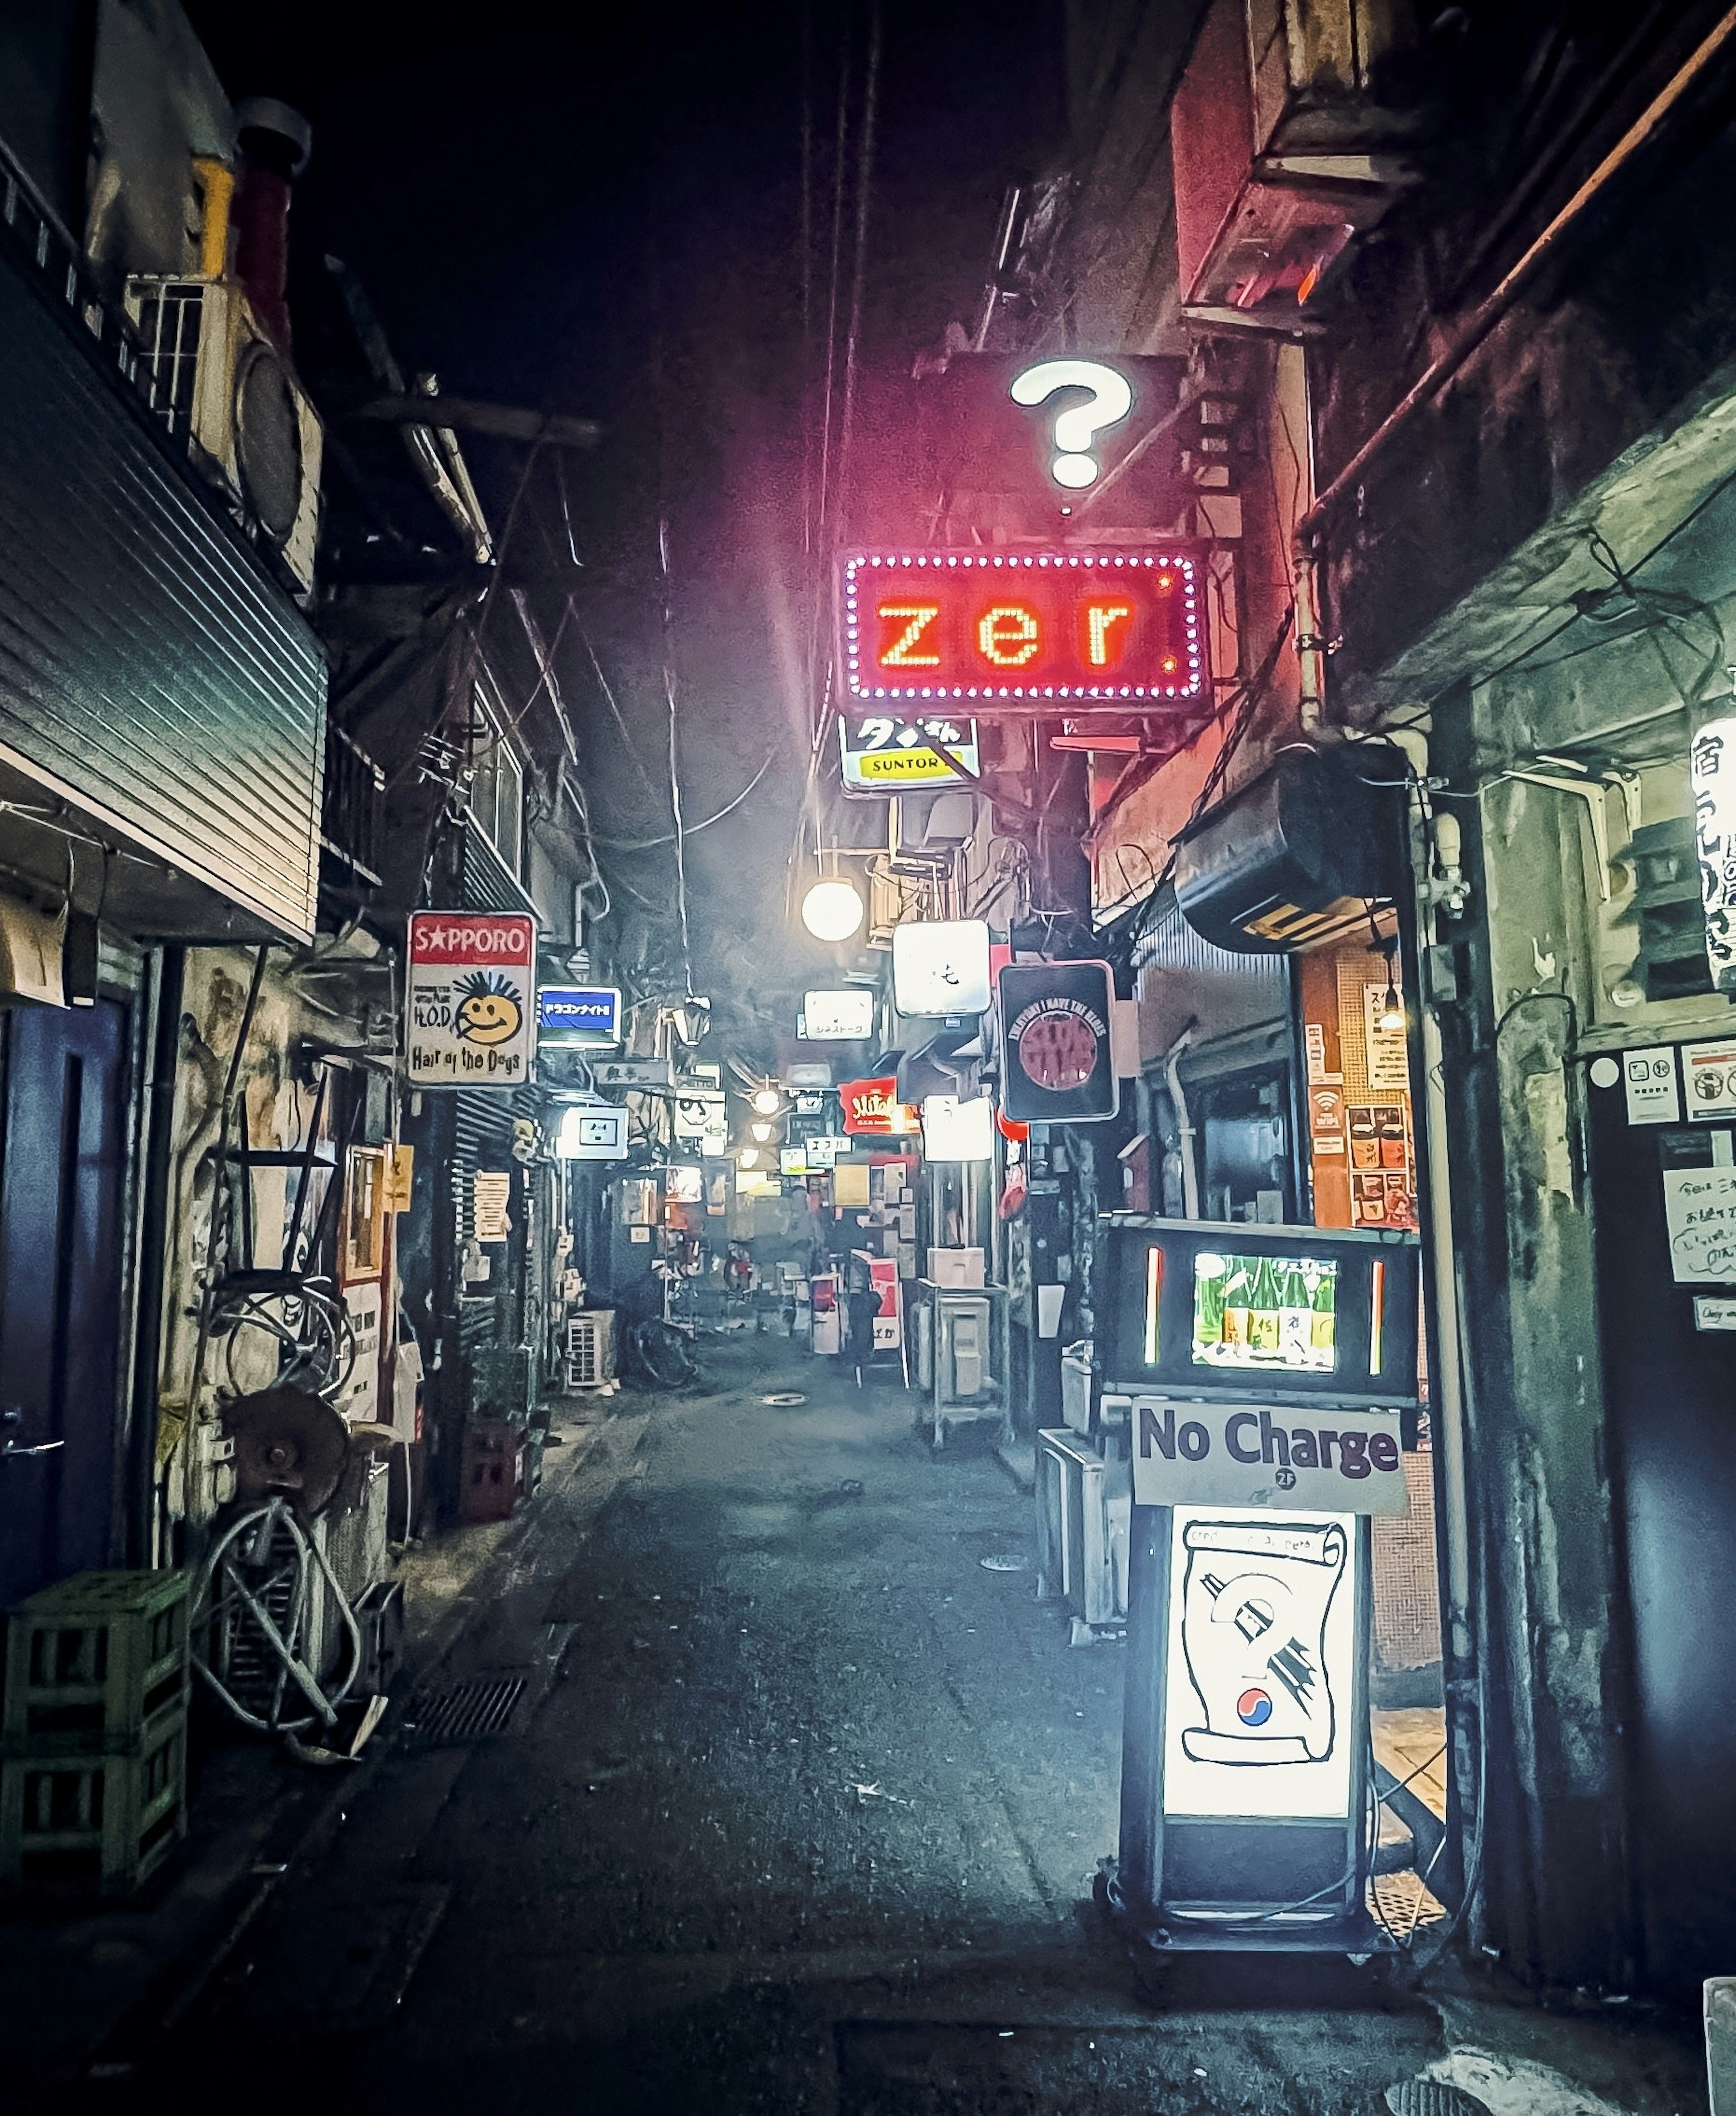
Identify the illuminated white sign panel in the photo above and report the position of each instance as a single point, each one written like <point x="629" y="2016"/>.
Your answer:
<point x="684" y="1186"/>
<point x="837" y="1017"/>
<point x="591" y="1132"/>
<point x="1712" y="770"/>
<point x="1259" y="1717"/>
<point x="941" y="967"/>
<point x="1110" y="399"/>
<point x="953" y="1130"/>
<point x="470" y="1019"/>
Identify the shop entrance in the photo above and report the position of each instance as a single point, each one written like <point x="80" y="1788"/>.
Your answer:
<point x="62" y="1171"/>
<point x="1671" y="1394"/>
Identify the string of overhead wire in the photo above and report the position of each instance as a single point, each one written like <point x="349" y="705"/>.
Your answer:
<point x="829" y="424"/>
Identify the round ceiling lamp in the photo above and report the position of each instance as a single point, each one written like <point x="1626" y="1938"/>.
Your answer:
<point x="767" y="1101"/>
<point x="833" y="909"/>
<point x="762" y="1133"/>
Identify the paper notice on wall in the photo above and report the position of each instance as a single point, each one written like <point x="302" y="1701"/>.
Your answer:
<point x="1700" y="1213"/>
<point x="1710" y="1072"/>
<point x="360" y="1396"/>
<point x="490" y="1193"/>
<point x="1649" y="1077"/>
<point x="1389" y="1052"/>
<point x="1314" y="1044"/>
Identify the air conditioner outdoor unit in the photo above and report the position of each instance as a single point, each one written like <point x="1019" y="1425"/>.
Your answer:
<point x="1289" y="133"/>
<point x="222" y="382"/>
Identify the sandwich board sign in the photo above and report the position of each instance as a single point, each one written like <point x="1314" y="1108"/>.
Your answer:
<point x="471" y="1012"/>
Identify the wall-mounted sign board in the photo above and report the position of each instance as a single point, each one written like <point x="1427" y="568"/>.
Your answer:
<point x="634" y="1072"/>
<point x="577" y="1017"/>
<point x="592" y="1131"/>
<point x="844" y="1016"/>
<point x="885" y="754"/>
<point x="469" y="981"/>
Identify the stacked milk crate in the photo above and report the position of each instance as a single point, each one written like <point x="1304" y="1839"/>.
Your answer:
<point x="92" y="1731"/>
<point x="589" y="1363"/>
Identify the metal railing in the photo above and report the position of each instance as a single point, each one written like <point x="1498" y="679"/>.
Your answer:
<point x="34" y="237"/>
<point x="352" y="815"/>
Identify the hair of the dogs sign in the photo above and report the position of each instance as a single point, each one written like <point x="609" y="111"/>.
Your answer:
<point x="1187" y="1453"/>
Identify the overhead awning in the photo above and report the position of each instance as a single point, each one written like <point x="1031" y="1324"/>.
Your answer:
<point x="1296" y="856"/>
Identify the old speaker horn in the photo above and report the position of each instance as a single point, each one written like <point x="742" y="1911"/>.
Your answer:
<point x="287" y="1441"/>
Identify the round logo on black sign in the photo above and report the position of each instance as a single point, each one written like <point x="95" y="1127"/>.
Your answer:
<point x="1057" y="1041"/>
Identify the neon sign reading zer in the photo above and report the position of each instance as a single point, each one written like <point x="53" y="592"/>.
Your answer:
<point x="1023" y="625"/>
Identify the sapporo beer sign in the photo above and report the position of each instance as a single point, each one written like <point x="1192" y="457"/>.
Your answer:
<point x="1022" y="630"/>
<point x="471" y="999"/>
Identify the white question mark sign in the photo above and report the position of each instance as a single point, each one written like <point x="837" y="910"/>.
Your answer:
<point x="1112" y="399"/>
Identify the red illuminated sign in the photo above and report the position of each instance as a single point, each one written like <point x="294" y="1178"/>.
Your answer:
<point x="872" y="1107"/>
<point x="1029" y="625"/>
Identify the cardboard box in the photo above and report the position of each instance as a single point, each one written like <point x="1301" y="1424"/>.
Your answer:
<point x="957" y="1268"/>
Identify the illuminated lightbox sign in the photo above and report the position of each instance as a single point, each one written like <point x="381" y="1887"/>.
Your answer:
<point x="940" y="967"/>
<point x="837" y="1017"/>
<point x="591" y="1132"/>
<point x="1032" y="627"/>
<point x="884" y="754"/>
<point x="577" y="1017"/>
<point x="1260" y="1717"/>
<point x="954" y="1130"/>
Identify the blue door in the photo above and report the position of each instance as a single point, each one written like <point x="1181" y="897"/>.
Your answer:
<point x="62" y="1169"/>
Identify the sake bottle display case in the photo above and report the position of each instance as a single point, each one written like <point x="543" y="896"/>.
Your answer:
<point x="1268" y="1313"/>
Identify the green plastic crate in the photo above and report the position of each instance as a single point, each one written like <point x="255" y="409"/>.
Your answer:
<point x="95" y="1665"/>
<point x="93" y="1823"/>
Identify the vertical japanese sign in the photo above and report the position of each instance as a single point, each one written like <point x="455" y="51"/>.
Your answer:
<point x="470" y="1018"/>
<point x="1712" y="770"/>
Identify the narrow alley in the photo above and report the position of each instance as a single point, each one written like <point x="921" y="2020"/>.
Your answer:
<point x="868" y="1058"/>
<point x="797" y="1811"/>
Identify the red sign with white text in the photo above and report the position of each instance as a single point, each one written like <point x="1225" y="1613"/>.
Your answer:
<point x="1034" y="626"/>
<point x="485" y="938"/>
<point x="872" y="1107"/>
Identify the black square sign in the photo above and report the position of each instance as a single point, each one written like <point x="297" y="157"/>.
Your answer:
<point x="1056" y="1066"/>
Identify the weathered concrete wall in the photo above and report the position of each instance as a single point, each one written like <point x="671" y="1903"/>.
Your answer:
<point x="1541" y="1505"/>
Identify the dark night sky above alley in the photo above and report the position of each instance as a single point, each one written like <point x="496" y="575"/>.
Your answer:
<point x="599" y="212"/>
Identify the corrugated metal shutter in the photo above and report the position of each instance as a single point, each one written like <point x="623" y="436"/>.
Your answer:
<point x="1239" y="1003"/>
<point x="148" y="669"/>
<point x="482" y="1138"/>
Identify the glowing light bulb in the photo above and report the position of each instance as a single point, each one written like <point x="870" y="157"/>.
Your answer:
<point x="1391" y="1017"/>
<point x="761" y="1132"/>
<point x="833" y="909"/>
<point x="766" y="1102"/>
<point x="749" y="1157"/>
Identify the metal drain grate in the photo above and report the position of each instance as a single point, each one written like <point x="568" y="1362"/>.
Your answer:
<point x="1433" y="2097"/>
<point x="464" y="1711"/>
<point x="1403" y="1903"/>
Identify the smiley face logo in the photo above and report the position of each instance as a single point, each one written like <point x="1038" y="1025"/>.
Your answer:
<point x="490" y="1010"/>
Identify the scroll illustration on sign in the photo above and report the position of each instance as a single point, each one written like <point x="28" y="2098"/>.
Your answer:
<point x="1255" y="1607"/>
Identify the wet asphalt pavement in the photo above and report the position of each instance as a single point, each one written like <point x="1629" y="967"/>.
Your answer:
<point x="798" y="1811"/>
